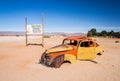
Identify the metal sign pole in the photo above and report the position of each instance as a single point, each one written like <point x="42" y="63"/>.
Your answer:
<point x="26" y="30"/>
<point x="43" y="29"/>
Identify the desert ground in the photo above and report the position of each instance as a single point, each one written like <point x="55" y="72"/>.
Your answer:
<point x="20" y="63"/>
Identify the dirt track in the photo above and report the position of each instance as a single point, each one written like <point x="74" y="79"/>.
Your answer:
<point x="20" y="63"/>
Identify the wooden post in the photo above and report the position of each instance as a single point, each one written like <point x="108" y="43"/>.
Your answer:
<point x="26" y="30"/>
<point x="43" y="29"/>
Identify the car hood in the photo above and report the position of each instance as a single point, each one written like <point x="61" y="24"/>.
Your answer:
<point x="59" y="48"/>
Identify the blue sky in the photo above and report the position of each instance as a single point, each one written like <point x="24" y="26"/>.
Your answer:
<point x="61" y="15"/>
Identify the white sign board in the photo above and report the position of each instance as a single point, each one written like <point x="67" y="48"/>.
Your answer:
<point x="34" y="29"/>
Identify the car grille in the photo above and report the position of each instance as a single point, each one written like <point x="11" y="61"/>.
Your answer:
<point x="45" y="59"/>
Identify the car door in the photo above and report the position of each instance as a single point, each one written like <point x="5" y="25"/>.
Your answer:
<point x="86" y="50"/>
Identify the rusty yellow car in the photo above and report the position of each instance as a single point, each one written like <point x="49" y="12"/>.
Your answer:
<point x="72" y="49"/>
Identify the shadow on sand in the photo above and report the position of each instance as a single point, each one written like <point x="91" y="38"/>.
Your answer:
<point x="35" y="44"/>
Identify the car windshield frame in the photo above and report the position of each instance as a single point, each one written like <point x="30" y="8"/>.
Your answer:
<point x="70" y="42"/>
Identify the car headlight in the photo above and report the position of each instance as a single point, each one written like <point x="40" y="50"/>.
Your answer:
<point x="48" y="58"/>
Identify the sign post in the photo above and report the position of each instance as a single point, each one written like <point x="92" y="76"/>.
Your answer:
<point x="43" y="29"/>
<point x="26" y="30"/>
<point x="34" y="29"/>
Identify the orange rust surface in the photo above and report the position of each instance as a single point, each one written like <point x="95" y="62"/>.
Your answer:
<point x="78" y="38"/>
<point x="74" y="51"/>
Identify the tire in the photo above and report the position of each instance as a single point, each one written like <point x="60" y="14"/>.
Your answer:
<point x="99" y="54"/>
<point x="58" y="61"/>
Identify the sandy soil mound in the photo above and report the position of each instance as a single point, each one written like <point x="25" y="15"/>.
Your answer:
<point x="20" y="63"/>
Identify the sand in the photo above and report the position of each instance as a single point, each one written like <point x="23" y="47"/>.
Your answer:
<point x="20" y="63"/>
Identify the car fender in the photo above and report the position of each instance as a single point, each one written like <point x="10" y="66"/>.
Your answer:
<point x="69" y="57"/>
<point x="99" y="50"/>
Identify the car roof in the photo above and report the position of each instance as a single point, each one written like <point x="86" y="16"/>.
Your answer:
<point x="78" y="38"/>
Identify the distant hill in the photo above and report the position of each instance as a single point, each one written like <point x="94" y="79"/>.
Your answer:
<point x="18" y="33"/>
<point x="11" y="33"/>
<point x="65" y="34"/>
